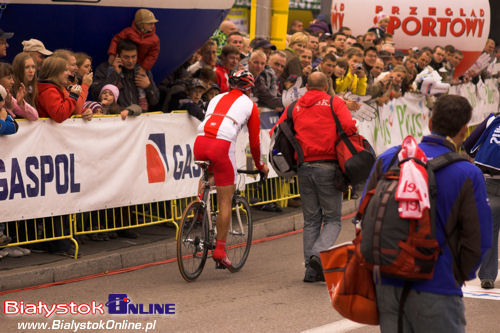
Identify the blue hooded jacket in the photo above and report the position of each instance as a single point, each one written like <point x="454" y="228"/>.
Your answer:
<point x="462" y="211"/>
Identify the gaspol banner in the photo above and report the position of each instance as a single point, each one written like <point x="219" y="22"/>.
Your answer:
<point x="50" y="169"/>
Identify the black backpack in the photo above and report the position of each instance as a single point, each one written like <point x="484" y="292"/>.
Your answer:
<point x="283" y="147"/>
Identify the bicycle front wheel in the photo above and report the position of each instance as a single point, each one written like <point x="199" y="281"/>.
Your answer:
<point x="239" y="238"/>
<point x="192" y="248"/>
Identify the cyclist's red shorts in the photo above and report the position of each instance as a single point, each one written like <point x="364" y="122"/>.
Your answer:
<point x="221" y="154"/>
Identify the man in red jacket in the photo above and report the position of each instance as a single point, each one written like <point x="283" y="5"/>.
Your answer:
<point x="316" y="133"/>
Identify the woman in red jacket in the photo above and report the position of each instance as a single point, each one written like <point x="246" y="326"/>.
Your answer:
<point x="51" y="100"/>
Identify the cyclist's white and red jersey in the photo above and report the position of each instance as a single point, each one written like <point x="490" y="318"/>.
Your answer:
<point x="227" y="113"/>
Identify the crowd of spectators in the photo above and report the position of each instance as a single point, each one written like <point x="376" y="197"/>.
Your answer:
<point x="59" y="84"/>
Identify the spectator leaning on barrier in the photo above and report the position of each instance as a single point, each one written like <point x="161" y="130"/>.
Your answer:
<point x="229" y="58"/>
<point x="143" y="33"/>
<point x="72" y="79"/>
<point x="7" y="126"/>
<point x="15" y="106"/>
<point x="194" y="103"/>
<point x="321" y="200"/>
<point x="25" y="77"/>
<point x="37" y="50"/>
<point x="108" y="104"/>
<point x="390" y="85"/>
<point x="355" y="79"/>
<point x="136" y="85"/>
<point x="52" y="100"/>
<point x="463" y="230"/>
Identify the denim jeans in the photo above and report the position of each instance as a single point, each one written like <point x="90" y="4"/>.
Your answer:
<point x="489" y="266"/>
<point x="423" y="311"/>
<point x="321" y="203"/>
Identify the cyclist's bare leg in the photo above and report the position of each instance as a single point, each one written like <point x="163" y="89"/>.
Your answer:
<point x="224" y="198"/>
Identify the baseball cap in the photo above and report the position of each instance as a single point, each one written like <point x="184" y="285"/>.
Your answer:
<point x="5" y="35"/>
<point x="197" y="83"/>
<point x="34" y="45"/>
<point x="144" y="16"/>
<point x="264" y="44"/>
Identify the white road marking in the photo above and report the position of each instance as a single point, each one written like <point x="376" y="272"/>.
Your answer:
<point x="340" y="326"/>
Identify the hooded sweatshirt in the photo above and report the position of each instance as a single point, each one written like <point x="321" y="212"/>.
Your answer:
<point x="315" y="127"/>
<point x="148" y="45"/>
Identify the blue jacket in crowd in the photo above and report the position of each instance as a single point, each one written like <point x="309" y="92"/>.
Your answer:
<point x="8" y="126"/>
<point x="462" y="210"/>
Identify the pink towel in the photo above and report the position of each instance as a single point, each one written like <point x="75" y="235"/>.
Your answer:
<point x="413" y="188"/>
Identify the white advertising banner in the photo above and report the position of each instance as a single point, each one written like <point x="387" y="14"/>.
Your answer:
<point x="403" y="116"/>
<point x="49" y="169"/>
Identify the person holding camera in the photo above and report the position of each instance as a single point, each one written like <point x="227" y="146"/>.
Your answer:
<point x="389" y="85"/>
<point x="136" y="85"/>
<point x="354" y="80"/>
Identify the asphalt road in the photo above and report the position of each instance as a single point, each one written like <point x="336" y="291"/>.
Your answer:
<point x="267" y="295"/>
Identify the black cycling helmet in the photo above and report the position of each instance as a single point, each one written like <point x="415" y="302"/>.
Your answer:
<point x="242" y="80"/>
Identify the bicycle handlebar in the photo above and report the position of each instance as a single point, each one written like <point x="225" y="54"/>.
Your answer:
<point x="253" y="172"/>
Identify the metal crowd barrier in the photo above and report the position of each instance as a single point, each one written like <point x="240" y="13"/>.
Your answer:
<point x="27" y="232"/>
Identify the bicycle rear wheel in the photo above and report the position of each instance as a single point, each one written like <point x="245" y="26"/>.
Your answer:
<point x="192" y="249"/>
<point x="239" y="238"/>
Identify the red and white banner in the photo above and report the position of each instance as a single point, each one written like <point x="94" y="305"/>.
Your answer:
<point x="49" y="169"/>
<point x="463" y="24"/>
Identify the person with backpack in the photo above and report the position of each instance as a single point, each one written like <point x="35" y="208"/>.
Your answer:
<point x="462" y="226"/>
<point x="484" y="145"/>
<point x="316" y="133"/>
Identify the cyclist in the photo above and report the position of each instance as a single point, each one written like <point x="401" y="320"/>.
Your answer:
<point x="226" y="114"/>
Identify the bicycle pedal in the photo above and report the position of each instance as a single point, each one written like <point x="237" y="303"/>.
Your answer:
<point x="218" y="265"/>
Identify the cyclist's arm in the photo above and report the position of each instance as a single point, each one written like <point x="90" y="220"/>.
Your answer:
<point x="254" y="136"/>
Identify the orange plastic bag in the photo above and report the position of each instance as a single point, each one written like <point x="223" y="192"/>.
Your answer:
<point x="350" y="284"/>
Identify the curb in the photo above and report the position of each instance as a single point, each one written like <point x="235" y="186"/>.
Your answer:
<point x="136" y="255"/>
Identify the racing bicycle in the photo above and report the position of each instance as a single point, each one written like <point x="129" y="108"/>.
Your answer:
<point x="198" y="231"/>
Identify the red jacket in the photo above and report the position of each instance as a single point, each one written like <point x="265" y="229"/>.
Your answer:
<point x="148" y="45"/>
<point x="315" y="127"/>
<point x="222" y="75"/>
<point x="52" y="102"/>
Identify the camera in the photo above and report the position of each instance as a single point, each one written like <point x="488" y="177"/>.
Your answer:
<point x="359" y="67"/>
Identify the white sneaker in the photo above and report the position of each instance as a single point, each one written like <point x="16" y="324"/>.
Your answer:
<point x="13" y="252"/>
<point x="24" y="251"/>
